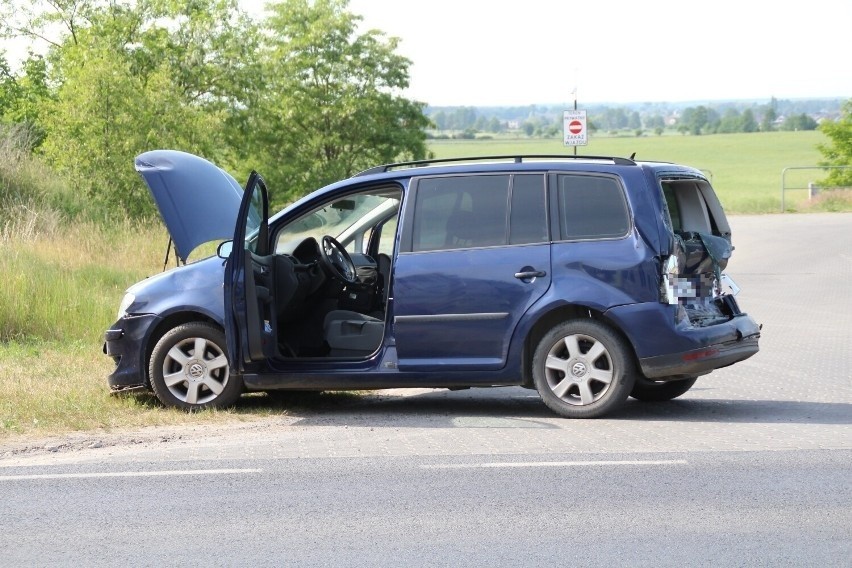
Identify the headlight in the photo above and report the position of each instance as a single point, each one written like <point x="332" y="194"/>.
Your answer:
<point x="125" y="303"/>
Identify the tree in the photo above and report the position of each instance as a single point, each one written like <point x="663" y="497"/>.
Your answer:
<point x="634" y="122"/>
<point x="749" y="124"/>
<point x="767" y="124"/>
<point x="731" y="122"/>
<point x="132" y="76"/>
<point x="695" y="119"/>
<point x="839" y="151"/>
<point x="104" y="115"/>
<point x="440" y="120"/>
<point x="330" y="105"/>
<point x="656" y="122"/>
<point x="23" y="96"/>
<point x="799" y="122"/>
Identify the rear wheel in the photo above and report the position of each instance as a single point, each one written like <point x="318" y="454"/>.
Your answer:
<point x="583" y="369"/>
<point x="655" y="391"/>
<point x="189" y="368"/>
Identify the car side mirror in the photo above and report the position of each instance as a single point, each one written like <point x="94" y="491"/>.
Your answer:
<point x="224" y="249"/>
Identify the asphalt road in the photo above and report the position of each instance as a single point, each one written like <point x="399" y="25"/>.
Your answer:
<point x="750" y="468"/>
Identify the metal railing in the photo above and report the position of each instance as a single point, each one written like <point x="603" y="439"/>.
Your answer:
<point x="784" y="187"/>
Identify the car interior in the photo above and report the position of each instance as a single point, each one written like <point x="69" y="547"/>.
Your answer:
<point x="703" y="247"/>
<point x="332" y="273"/>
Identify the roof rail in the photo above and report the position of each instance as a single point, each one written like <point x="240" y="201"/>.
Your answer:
<point x="516" y="159"/>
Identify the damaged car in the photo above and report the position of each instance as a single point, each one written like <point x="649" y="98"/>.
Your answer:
<point x="589" y="279"/>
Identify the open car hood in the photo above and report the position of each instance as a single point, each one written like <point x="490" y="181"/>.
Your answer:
<point x="198" y="201"/>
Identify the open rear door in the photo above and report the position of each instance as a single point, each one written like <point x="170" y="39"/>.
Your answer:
<point x="250" y="325"/>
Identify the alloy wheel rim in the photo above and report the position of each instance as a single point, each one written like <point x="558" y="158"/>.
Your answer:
<point x="195" y="370"/>
<point x="579" y="369"/>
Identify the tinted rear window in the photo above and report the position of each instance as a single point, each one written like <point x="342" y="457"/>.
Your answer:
<point x="461" y="212"/>
<point x="591" y="207"/>
<point x="528" y="220"/>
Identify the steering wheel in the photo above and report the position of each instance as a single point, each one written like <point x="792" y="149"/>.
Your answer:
<point x="337" y="261"/>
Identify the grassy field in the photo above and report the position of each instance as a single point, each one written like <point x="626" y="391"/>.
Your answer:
<point x="745" y="168"/>
<point x="63" y="279"/>
<point x="61" y="289"/>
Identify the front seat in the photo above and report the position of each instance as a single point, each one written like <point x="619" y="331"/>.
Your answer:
<point x="352" y="334"/>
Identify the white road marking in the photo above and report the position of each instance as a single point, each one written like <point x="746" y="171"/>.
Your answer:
<point x="126" y="474"/>
<point x="553" y="464"/>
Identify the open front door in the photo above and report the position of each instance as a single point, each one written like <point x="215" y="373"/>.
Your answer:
<point x="250" y="325"/>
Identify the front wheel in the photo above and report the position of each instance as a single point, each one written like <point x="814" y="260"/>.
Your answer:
<point x="655" y="391"/>
<point x="189" y="368"/>
<point x="583" y="369"/>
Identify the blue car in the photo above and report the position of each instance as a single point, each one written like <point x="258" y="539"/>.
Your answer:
<point x="589" y="279"/>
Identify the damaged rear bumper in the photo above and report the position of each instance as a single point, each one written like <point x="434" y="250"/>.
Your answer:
<point x="704" y="359"/>
<point x="674" y="349"/>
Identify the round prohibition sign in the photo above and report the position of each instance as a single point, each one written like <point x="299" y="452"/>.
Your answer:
<point x="575" y="127"/>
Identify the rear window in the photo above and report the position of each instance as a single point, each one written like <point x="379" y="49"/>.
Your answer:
<point x="482" y="210"/>
<point x="461" y="212"/>
<point x="591" y="207"/>
<point x="527" y="222"/>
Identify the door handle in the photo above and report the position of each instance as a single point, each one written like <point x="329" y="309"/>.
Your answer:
<point x="527" y="274"/>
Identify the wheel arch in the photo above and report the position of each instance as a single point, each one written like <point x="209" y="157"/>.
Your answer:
<point x="554" y="316"/>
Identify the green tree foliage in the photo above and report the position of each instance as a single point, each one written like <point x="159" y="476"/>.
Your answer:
<point x="839" y="151"/>
<point x="767" y="123"/>
<point x="731" y="122"/>
<point x="8" y="87"/>
<point x="128" y="77"/>
<point x="635" y="121"/>
<point x="749" y="124"/>
<point x="655" y="122"/>
<point x="311" y="103"/>
<point x="798" y="122"/>
<point x="698" y="120"/>
<point x="23" y="96"/>
<point x="330" y="103"/>
<point x="104" y="115"/>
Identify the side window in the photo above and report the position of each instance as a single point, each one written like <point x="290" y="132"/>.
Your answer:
<point x="591" y="207"/>
<point x="528" y="219"/>
<point x="387" y="234"/>
<point x="460" y="212"/>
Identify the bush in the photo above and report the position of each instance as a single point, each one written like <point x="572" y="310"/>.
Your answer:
<point x="21" y="177"/>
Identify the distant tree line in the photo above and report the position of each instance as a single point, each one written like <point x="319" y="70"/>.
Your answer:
<point x="725" y="117"/>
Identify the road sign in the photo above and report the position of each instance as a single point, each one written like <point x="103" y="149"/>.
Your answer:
<point x="574" y="130"/>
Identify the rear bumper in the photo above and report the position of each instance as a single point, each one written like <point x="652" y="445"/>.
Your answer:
<point x="699" y="361"/>
<point x="668" y="348"/>
<point x="125" y="342"/>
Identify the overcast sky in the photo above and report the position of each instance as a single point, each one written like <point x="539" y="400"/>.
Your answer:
<point x="520" y="52"/>
<point x="535" y="51"/>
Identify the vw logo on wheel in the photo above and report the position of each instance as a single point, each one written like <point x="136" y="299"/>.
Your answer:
<point x="196" y="370"/>
<point x="578" y="369"/>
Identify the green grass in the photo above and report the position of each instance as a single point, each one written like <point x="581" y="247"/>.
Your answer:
<point x="745" y="168"/>
<point x="53" y="387"/>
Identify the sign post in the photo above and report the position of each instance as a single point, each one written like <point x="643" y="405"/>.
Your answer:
<point x="575" y="131"/>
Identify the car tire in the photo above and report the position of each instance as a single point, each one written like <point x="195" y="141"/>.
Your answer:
<point x="583" y="369"/>
<point x="183" y="378"/>
<point x="647" y="390"/>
